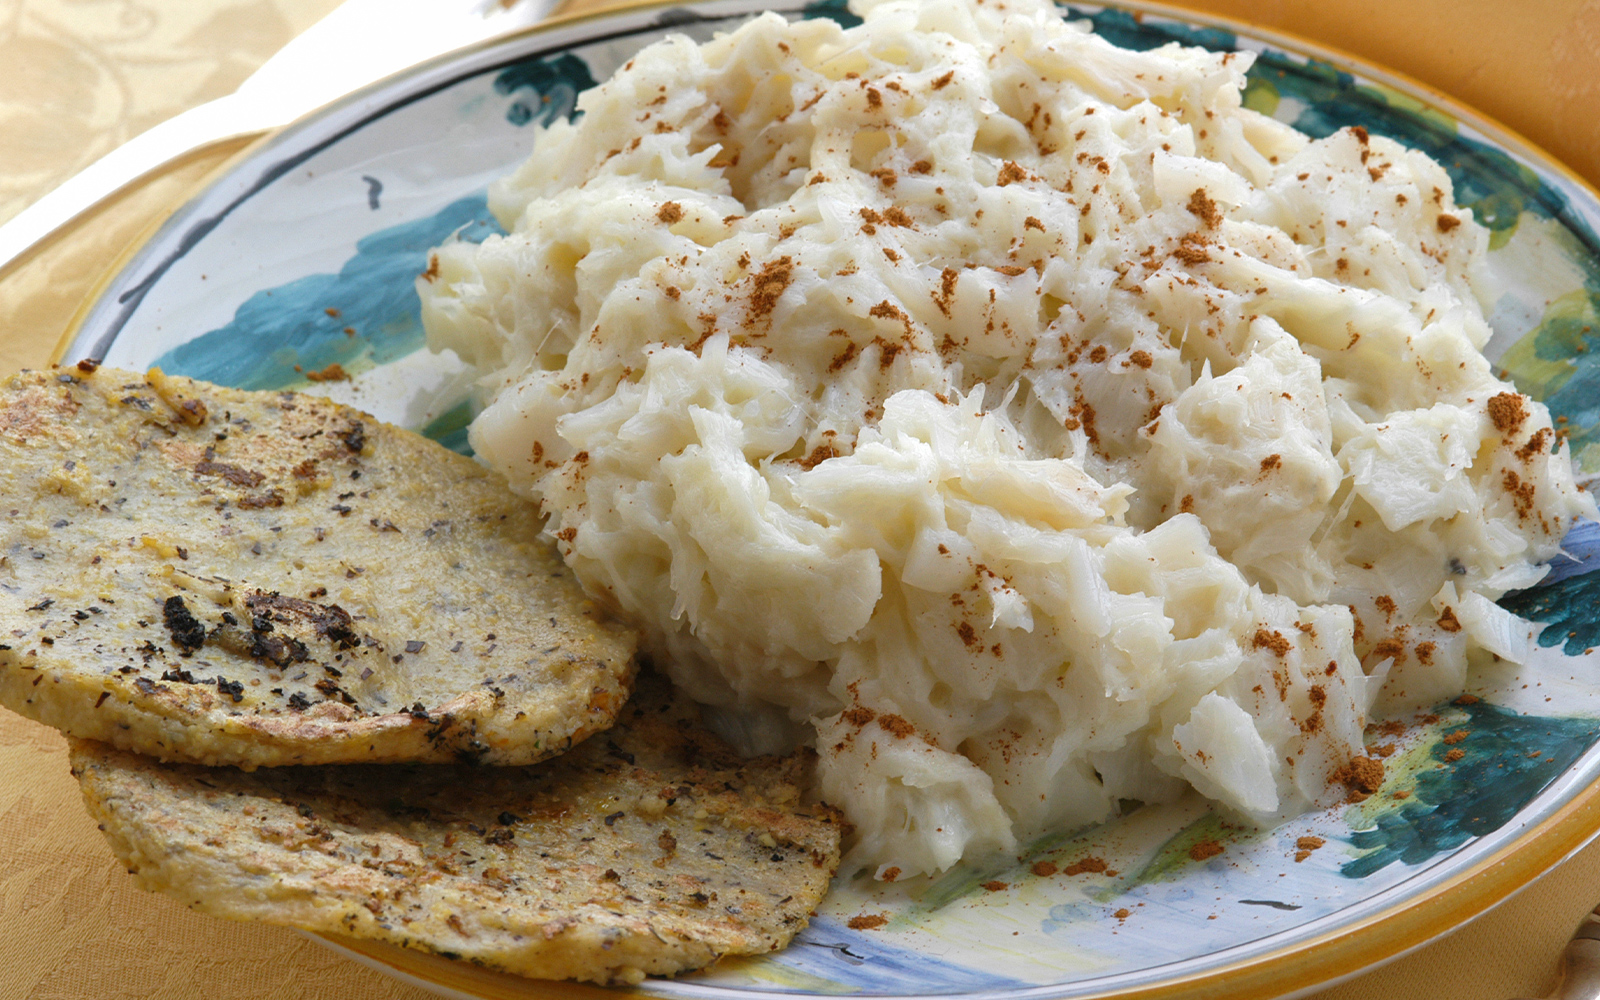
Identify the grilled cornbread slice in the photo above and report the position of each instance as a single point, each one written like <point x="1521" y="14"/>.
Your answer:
<point x="651" y="849"/>
<point x="260" y="578"/>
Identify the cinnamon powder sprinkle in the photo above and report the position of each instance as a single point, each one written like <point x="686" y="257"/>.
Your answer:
<point x="867" y="922"/>
<point x="1508" y="411"/>
<point x="1205" y="849"/>
<point x="1090" y="865"/>
<point x="1011" y="173"/>
<point x="769" y="285"/>
<point x="1390" y="648"/>
<point x="333" y="373"/>
<point x="1361" y="775"/>
<point x="1200" y="204"/>
<point x="896" y="725"/>
<point x="1273" y="640"/>
<point x="1304" y="846"/>
<point x="860" y="715"/>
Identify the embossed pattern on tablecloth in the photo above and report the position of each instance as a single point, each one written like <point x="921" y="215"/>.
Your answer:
<point x="81" y="77"/>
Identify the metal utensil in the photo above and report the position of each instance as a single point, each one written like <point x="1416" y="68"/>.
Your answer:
<point x="359" y="42"/>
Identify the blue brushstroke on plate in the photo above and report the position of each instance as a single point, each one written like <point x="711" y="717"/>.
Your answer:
<point x="450" y="427"/>
<point x="868" y="964"/>
<point x="837" y="10"/>
<point x="304" y="322"/>
<point x="1476" y="794"/>
<point x="553" y="83"/>
<point x="1569" y="609"/>
<point x="1127" y="30"/>
<point x="1582" y="548"/>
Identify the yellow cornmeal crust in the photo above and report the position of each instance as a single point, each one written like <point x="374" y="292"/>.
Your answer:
<point x="268" y="578"/>
<point x="648" y="850"/>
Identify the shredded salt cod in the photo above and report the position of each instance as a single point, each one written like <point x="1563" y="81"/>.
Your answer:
<point x="1018" y="419"/>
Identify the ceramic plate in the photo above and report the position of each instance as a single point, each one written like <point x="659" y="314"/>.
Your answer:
<point x="304" y="253"/>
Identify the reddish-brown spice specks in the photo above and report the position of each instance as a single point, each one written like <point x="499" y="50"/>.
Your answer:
<point x="333" y="373"/>
<point x="1273" y="640"/>
<point x="860" y="715"/>
<point x="996" y="885"/>
<point x="1508" y="411"/>
<point x="1538" y="444"/>
<point x="670" y="212"/>
<point x="1361" y="775"/>
<point x="1305" y="845"/>
<point x="896" y="725"/>
<point x="947" y="289"/>
<point x="1521" y="491"/>
<point x="821" y="453"/>
<point x="1448" y="620"/>
<point x="1192" y="249"/>
<point x="1201" y="205"/>
<point x="969" y="635"/>
<point x="844" y="357"/>
<point x="1205" y="849"/>
<point x="1090" y="865"/>
<point x="1447" y="223"/>
<point x="1390" y="648"/>
<point x="1044" y="869"/>
<point x="769" y="284"/>
<point x="867" y="922"/>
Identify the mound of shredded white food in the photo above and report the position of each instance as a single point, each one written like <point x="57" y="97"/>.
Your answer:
<point x="1025" y="415"/>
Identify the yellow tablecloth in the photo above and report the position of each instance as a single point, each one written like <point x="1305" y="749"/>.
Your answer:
<point x="79" y="76"/>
